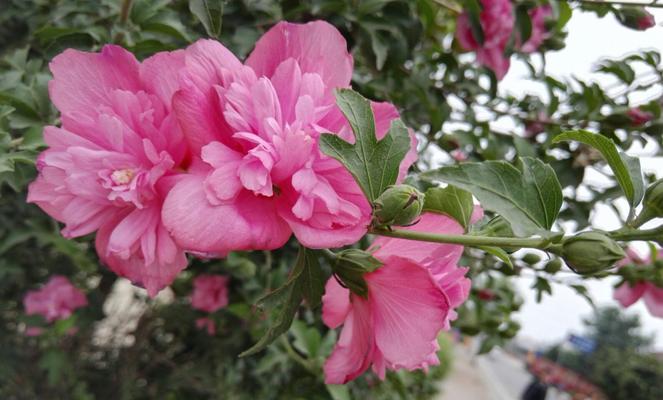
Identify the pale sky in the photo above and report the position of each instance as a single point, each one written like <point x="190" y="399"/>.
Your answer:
<point x="589" y="40"/>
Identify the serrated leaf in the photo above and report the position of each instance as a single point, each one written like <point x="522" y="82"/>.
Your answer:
<point x="528" y="197"/>
<point x="373" y="164"/>
<point x="209" y="13"/>
<point x="303" y="283"/>
<point x="626" y="168"/>
<point x="454" y="202"/>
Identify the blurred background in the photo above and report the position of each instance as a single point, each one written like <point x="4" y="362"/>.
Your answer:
<point x="536" y="318"/>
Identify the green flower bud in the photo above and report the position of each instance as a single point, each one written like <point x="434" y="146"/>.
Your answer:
<point x="350" y="267"/>
<point x="591" y="252"/>
<point x="553" y="266"/>
<point x="652" y="205"/>
<point x="399" y="205"/>
<point x="531" y="258"/>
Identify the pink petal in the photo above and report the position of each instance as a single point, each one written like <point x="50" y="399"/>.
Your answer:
<point x="626" y="294"/>
<point x="409" y="310"/>
<point x="316" y="46"/>
<point x="159" y="74"/>
<point x="335" y="304"/>
<point x="82" y="81"/>
<point x="354" y="350"/>
<point x="653" y="298"/>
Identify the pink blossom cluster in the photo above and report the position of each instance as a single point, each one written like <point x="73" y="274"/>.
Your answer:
<point x="210" y="294"/>
<point x="497" y="23"/>
<point x="628" y="293"/>
<point x="194" y="151"/>
<point x="57" y="299"/>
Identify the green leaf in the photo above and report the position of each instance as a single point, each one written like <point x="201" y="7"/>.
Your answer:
<point x="454" y="202"/>
<point x="209" y="13"/>
<point x="541" y="285"/>
<point x="528" y="197"/>
<point x="303" y="283"/>
<point x="339" y="392"/>
<point x="374" y="164"/>
<point x="499" y="253"/>
<point x="626" y="168"/>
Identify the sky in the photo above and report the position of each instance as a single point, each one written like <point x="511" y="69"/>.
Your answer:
<point x="589" y="40"/>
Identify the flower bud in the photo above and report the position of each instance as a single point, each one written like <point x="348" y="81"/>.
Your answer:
<point x="553" y="266"/>
<point x="531" y="258"/>
<point x="398" y="205"/>
<point x="591" y="252"/>
<point x="636" y="18"/>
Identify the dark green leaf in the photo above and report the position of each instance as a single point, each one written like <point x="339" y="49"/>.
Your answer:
<point x="209" y="13"/>
<point x="626" y="168"/>
<point x="528" y="197"/>
<point x="374" y="164"/>
<point x="499" y="253"/>
<point x="304" y="282"/>
<point x="454" y="202"/>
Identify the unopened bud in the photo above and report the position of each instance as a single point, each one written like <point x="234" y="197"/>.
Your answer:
<point x="531" y="258"/>
<point x="591" y="252"/>
<point x="399" y="205"/>
<point x="636" y="18"/>
<point x="652" y="205"/>
<point x="553" y="266"/>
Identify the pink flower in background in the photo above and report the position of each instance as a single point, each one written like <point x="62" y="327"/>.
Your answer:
<point x="33" y="331"/>
<point x="257" y="175"/>
<point x="630" y="292"/>
<point x="536" y="126"/>
<point x="206" y="324"/>
<point x="57" y="299"/>
<point x="110" y="165"/>
<point x="210" y="292"/>
<point x="538" y="16"/>
<point x="410" y="300"/>
<point x="639" y="117"/>
<point x="459" y="155"/>
<point x="497" y="22"/>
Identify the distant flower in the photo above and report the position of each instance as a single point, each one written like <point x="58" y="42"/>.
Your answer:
<point x="206" y="324"/>
<point x="645" y="21"/>
<point x="538" y="16"/>
<point x="497" y="23"/>
<point x="33" y="331"/>
<point x="57" y="299"/>
<point x="458" y="155"/>
<point x="257" y="174"/>
<point x="630" y="292"/>
<point x="210" y="292"/>
<point x="110" y="165"/>
<point x="536" y="126"/>
<point x="411" y="298"/>
<point x="639" y="117"/>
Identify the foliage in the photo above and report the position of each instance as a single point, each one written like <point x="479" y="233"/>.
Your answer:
<point x="404" y="53"/>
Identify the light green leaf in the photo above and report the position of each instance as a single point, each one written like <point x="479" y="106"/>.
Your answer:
<point x="339" y="392"/>
<point x="374" y="164"/>
<point x="303" y="283"/>
<point x="528" y="197"/>
<point x="209" y="13"/>
<point x="626" y="168"/>
<point x="454" y="202"/>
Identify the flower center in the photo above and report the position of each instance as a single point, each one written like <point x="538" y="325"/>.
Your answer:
<point x="122" y="176"/>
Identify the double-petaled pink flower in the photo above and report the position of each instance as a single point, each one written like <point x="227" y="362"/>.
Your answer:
<point x="411" y="298"/>
<point x="57" y="299"/>
<point x="628" y="293"/>
<point x="257" y="174"/>
<point x="497" y="23"/>
<point x="210" y="293"/>
<point x="110" y="165"/>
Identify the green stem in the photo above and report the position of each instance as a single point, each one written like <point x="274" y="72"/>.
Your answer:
<point x="329" y="255"/>
<point x="634" y="234"/>
<point x="124" y="11"/>
<point x="295" y="356"/>
<point x="466" y="240"/>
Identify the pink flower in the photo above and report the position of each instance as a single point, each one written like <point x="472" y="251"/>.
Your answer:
<point x="207" y="324"/>
<point x="410" y="300"/>
<point x="257" y="175"/>
<point x="110" y="165"/>
<point x="538" y="16"/>
<point x="57" y="299"/>
<point x="497" y="22"/>
<point x="646" y="21"/>
<point x="210" y="292"/>
<point x="627" y="294"/>
<point x="458" y="155"/>
<point x="534" y="127"/>
<point x="630" y="292"/>
<point x="33" y="331"/>
<point x="639" y="117"/>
